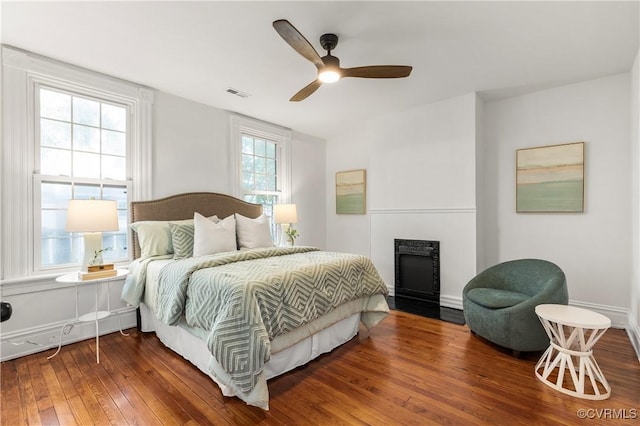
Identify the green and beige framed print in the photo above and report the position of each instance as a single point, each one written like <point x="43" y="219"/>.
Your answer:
<point x="550" y="179"/>
<point x="351" y="190"/>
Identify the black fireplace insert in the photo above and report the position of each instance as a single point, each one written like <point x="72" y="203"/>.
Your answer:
<point x="417" y="270"/>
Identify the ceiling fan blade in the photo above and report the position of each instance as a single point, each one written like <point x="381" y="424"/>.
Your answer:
<point x="378" y="71"/>
<point x="306" y="91"/>
<point x="296" y="40"/>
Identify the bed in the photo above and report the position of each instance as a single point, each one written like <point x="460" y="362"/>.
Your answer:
<point x="245" y="315"/>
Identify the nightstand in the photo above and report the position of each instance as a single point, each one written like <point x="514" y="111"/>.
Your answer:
<point x="97" y="315"/>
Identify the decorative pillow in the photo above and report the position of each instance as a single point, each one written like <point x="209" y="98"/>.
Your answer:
<point x="254" y="233"/>
<point x="182" y="237"/>
<point x="154" y="238"/>
<point x="210" y="237"/>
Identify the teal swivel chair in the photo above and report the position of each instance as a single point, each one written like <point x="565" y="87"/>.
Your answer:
<point x="499" y="303"/>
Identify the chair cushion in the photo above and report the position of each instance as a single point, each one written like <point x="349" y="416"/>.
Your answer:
<point x="495" y="298"/>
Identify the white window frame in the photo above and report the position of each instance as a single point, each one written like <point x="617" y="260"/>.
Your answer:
<point x="22" y="73"/>
<point x="281" y="136"/>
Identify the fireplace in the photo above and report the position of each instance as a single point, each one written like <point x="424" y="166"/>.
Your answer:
<point x="417" y="270"/>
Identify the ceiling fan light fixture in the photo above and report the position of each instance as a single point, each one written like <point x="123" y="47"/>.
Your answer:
<point x="329" y="75"/>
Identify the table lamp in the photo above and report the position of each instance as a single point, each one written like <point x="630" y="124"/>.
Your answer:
<point x="92" y="217"/>
<point x="285" y="215"/>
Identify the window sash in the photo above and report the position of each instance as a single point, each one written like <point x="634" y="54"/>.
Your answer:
<point x="267" y="198"/>
<point x="72" y="150"/>
<point x="260" y="164"/>
<point x="118" y="240"/>
<point x="260" y="130"/>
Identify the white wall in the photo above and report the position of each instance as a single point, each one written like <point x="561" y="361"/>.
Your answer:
<point x="191" y="147"/>
<point x="307" y="188"/>
<point x="591" y="247"/>
<point x="634" y="319"/>
<point x="420" y="185"/>
<point x="480" y="185"/>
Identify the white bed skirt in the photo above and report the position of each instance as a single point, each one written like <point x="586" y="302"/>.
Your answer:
<point x="195" y="350"/>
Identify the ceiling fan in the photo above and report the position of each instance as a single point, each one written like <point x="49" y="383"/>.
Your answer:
<point x="329" y="70"/>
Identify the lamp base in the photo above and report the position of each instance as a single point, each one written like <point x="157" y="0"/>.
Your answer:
<point x="284" y="240"/>
<point x="92" y="249"/>
<point x="101" y="267"/>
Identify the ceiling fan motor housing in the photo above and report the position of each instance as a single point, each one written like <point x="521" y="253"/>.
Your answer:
<point x="331" y="61"/>
<point x="328" y="41"/>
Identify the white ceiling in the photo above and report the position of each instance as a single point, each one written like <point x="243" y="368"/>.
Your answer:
<point x="199" y="49"/>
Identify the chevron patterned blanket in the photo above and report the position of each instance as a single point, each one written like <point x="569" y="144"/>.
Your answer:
<point x="247" y="298"/>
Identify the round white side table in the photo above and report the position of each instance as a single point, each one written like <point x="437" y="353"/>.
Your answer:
<point x="572" y="333"/>
<point x="96" y="316"/>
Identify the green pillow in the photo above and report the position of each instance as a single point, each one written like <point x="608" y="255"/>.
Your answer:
<point x="154" y="238"/>
<point x="182" y="239"/>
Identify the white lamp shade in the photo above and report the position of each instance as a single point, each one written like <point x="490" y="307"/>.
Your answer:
<point x="285" y="213"/>
<point x="92" y="216"/>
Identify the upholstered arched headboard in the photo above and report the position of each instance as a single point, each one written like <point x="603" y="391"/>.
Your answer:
<point x="183" y="206"/>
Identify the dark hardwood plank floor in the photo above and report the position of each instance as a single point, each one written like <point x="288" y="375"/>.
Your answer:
<point x="409" y="370"/>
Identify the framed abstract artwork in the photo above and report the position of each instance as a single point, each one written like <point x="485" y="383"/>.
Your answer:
<point x="351" y="192"/>
<point x="550" y="179"/>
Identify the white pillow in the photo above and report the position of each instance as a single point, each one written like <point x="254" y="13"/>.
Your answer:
<point x="154" y="237"/>
<point x="210" y="237"/>
<point x="254" y="233"/>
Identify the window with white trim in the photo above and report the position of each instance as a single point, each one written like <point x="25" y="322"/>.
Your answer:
<point x="82" y="143"/>
<point x="67" y="133"/>
<point x="261" y="158"/>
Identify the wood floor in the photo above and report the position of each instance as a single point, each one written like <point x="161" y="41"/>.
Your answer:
<point x="409" y="370"/>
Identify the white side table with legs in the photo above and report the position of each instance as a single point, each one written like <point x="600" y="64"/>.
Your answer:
<point x="95" y="316"/>
<point x="572" y="333"/>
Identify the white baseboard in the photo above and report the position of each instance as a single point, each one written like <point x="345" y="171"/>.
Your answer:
<point x="619" y="316"/>
<point x="27" y="342"/>
<point x="634" y="334"/>
<point x="451" y="302"/>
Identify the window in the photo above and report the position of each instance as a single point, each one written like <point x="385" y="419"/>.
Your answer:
<point x="262" y="160"/>
<point x="67" y="133"/>
<point x="82" y="147"/>
<point x="259" y="172"/>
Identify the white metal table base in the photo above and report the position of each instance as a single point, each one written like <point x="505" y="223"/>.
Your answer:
<point x="75" y="321"/>
<point x="570" y="345"/>
<point x="92" y="316"/>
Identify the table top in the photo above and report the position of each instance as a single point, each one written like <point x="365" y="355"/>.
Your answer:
<point x="73" y="277"/>
<point x="572" y="316"/>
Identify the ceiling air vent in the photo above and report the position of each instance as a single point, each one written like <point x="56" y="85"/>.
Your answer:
<point x="237" y="92"/>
